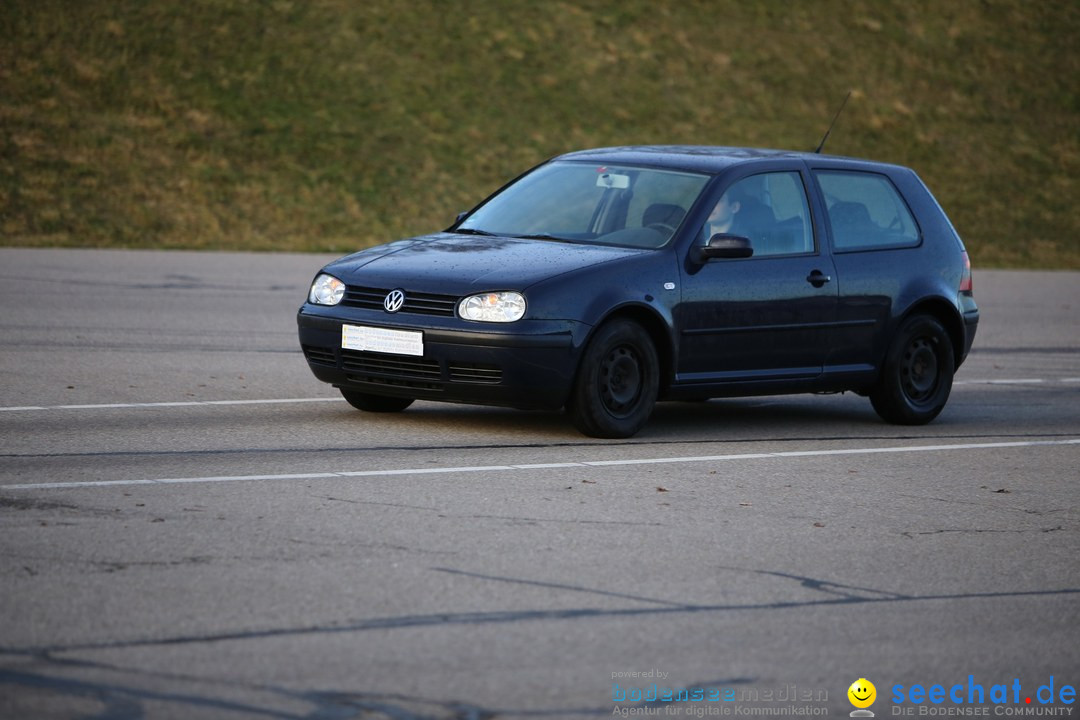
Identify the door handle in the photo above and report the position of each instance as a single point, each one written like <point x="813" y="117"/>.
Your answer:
<point x="818" y="278"/>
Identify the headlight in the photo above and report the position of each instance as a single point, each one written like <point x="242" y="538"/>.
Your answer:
<point x="493" y="307"/>
<point x="326" y="290"/>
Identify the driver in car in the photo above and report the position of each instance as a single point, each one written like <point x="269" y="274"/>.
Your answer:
<point x="722" y="217"/>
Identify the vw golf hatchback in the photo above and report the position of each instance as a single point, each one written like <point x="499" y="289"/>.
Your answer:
<point x="605" y="280"/>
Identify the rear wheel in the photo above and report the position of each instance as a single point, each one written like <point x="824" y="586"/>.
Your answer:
<point x="375" y="403"/>
<point x="918" y="374"/>
<point x="616" y="386"/>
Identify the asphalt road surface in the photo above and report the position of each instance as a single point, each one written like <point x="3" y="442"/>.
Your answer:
<point x="191" y="526"/>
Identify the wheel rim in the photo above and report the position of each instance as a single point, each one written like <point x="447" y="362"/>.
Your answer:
<point x="621" y="381"/>
<point x="919" y="370"/>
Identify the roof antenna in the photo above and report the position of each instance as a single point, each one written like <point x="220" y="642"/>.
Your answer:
<point x="835" y="117"/>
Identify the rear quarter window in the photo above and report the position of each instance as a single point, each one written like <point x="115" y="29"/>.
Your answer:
<point x="866" y="211"/>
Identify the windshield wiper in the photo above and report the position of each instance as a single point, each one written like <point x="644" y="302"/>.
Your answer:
<point x="545" y="236"/>
<point x="537" y="236"/>
<point x="474" y="231"/>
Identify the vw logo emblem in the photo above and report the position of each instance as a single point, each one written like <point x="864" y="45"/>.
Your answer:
<point x="394" y="300"/>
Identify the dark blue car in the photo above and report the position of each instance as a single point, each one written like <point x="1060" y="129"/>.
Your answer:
<point x="604" y="280"/>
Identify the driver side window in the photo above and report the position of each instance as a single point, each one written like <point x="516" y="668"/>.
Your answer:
<point x="770" y="210"/>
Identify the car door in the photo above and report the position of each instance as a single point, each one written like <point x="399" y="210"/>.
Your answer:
<point x="873" y="234"/>
<point x="767" y="316"/>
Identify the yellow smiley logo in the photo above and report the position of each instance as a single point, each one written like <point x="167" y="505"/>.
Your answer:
<point x="862" y="693"/>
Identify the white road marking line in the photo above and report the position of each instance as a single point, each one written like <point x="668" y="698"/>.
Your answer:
<point x="545" y="466"/>
<point x="185" y="403"/>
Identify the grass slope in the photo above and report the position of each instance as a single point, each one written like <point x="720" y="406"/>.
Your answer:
<point x="328" y="125"/>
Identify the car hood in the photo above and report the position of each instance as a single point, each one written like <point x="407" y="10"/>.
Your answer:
<point x="452" y="264"/>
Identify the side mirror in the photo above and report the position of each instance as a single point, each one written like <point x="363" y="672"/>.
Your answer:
<point x="460" y="217"/>
<point x="726" y="246"/>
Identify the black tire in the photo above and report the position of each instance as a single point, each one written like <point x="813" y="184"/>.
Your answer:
<point x="375" y="403"/>
<point x="617" y="382"/>
<point x="918" y="373"/>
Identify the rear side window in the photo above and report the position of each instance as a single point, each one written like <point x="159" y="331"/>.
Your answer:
<point x="866" y="212"/>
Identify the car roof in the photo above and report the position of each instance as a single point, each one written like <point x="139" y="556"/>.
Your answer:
<point x="702" y="158"/>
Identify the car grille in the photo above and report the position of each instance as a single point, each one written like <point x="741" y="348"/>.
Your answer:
<point x="418" y="303"/>
<point x="404" y="371"/>
<point x="476" y="374"/>
<point x="320" y="356"/>
<point x="391" y="370"/>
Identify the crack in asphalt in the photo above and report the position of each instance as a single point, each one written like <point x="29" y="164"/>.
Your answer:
<point x="498" y="617"/>
<point x="526" y="446"/>
<point x="122" y="701"/>
<point x="829" y="587"/>
<point x="1061" y="350"/>
<point x="975" y="531"/>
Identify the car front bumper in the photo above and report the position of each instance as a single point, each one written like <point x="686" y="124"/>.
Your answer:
<point x="529" y="364"/>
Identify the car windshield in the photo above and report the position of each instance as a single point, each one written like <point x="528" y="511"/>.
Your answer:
<point x="579" y="202"/>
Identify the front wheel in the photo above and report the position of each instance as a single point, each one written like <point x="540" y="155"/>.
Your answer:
<point x="617" y="382"/>
<point x="375" y="403"/>
<point x="918" y="373"/>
